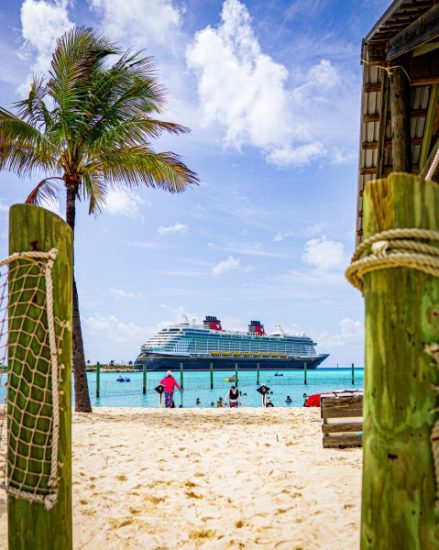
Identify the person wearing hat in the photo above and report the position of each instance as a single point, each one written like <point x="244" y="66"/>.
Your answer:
<point x="263" y="390"/>
<point x="169" y="383"/>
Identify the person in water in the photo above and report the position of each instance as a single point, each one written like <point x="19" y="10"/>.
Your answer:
<point x="269" y="403"/>
<point x="198" y="401"/>
<point x="232" y="397"/>
<point x="288" y="400"/>
<point x="169" y="383"/>
<point x="220" y="403"/>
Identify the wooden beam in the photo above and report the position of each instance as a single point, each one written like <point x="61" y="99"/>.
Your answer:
<point x="383" y="124"/>
<point x="370" y="170"/>
<point x="400" y="119"/>
<point x="372" y="87"/>
<point x="428" y="130"/>
<point x="423" y="29"/>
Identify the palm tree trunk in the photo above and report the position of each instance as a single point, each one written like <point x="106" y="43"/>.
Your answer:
<point x="82" y="396"/>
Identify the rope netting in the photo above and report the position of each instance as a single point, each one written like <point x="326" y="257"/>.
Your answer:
<point x="30" y="369"/>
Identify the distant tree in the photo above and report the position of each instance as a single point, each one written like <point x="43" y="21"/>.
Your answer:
<point x="130" y="363"/>
<point x="112" y="363"/>
<point x="88" y="126"/>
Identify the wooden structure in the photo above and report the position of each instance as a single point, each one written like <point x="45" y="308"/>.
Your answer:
<point x="399" y="112"/>
<point x="399" y="138"/>
<point x="30" y="525"/>
<point x="342" y="414"/>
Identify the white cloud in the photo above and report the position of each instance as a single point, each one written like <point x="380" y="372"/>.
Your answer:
<point x="176" y="228"/>
<point x="115" y="330"/>
<point x="351" y="332"/>
<point x="124" y="202"/>
<point x="323" y="254"/>
<point x="42" y="21"/>
<point x="145" y="22"/>
<point x="4" y="208"/>
<point x="249" y="94"/>
<point x="228" y="264"/>
<point x="119" y="293"/>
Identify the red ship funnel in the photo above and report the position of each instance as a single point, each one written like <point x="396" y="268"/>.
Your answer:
<point x="212" y="323"/>
<point x="255" y="327"/>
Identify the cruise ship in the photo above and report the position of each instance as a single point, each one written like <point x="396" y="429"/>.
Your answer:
<point x="196" y="347"/>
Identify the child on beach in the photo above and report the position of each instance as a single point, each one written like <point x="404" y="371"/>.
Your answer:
<point x="169" y="383"/>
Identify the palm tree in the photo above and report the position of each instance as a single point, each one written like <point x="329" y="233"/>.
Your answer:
<point x="88" y="126"/>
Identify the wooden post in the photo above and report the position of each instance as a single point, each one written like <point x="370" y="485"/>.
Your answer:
<point x="258" y="366"/>
<point x="98" y="380"/>
<point x="236" y="374"/>
<point x="305" y="374"/>
<point x="181" y="375"/>
<point x="211" y="376"/>
<point x="400" y="118"/>
<point x="144" y="378"/>
<point x="398" y="495"/>
<point x="30" y="525"/>
<point x="353" y="374"/>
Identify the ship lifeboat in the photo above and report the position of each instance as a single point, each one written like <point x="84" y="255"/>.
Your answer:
<point x="247" y="354"/>
<point x="214" y="353"/>
<point x="225" y="353"/>
<point x="236" y="354"/>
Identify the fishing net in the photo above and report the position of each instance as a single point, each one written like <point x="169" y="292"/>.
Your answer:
<point x="29" y="377"/>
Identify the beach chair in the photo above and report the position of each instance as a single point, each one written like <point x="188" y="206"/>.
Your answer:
<point x="342" y="415"/>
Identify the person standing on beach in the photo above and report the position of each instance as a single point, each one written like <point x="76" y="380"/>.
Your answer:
<point x="169" y="383"/>
<point x="232" y="397"/>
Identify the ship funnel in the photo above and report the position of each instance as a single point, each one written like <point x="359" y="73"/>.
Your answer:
<point x="212" y="323"/>
<point x="255" y="327"/>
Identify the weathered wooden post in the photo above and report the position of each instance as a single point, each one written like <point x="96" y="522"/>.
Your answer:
<point x="258" y="366"/>
<point x="305" y="373"/>
<point x="181" y="376"/>
<point x="402" y="314"/>
<point x="236" y="374"/>
<point x="30" y="524"/>
<point x="144" y="378"/>
<point x="353" y="374"/>
<point x="98" y="380"/>
<point x="211" y="376"/>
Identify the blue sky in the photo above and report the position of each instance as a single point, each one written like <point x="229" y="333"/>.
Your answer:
<point x="271" y="91"/>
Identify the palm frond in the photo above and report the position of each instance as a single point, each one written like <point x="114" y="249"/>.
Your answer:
<point x="94" y="189"/>
<point x="46" y="190"/>
<point x="139" y="165"/>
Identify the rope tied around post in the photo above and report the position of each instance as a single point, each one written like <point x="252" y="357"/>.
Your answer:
<point x="395" y="248"/>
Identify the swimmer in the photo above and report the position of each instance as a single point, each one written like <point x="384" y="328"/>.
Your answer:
<point x="220" y="403"/>
<point x="288" y="399"/>
<point x="198" y="402"/>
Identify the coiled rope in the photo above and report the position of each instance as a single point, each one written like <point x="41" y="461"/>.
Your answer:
<point x="392" y="248"/>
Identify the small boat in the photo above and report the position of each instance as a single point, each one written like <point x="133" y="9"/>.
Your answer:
<point x="278" y="374"/>
<point x="123" y="379"/>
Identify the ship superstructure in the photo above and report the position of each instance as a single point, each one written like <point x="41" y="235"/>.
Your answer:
<point x="198" y="346"/>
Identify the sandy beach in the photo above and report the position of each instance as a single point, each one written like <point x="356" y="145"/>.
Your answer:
<point x="210" y="479"/>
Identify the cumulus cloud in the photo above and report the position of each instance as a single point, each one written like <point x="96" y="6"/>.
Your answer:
<point x="178" y="228"/>
<point x="248" y="93"/>
<point x="42" y="22"/>
<point x="228" y="264"/>
<point x="351" y="332"/>
<point x="114" y="329"/>
<point x="145" y="22"/>
<point x="124" y="202"/>
<point x="323" y="254"/>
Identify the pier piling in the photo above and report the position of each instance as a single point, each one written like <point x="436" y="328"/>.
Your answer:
<point x="181" y="375"/>
<point x="211" y="376"/>
<point x="236" y="374"/>
<point x="258" y="366"/>
<point x="305" y="374"/>
<point x="353" y="374"/>
<point x="144" y="379"/>
<point x="98" y="380"/>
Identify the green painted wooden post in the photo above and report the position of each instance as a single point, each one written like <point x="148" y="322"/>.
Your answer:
<point x="98" y="380"/>
<point x="236" y="374"/>
<point x="305" y="373"/>
<point x="258" y="366"/>
<point x="144" y="378"/>
<point x="181" y="375"/>
<point x="30" y="525"/>
<point x="353" y="374"/>
<point x="398" y="495"/>
<point x="211" y="376"/>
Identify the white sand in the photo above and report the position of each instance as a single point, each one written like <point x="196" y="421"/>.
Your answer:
<point x="210" y="479"/>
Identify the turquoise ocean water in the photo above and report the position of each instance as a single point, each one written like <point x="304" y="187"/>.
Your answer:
<point x="197" y="385"/>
